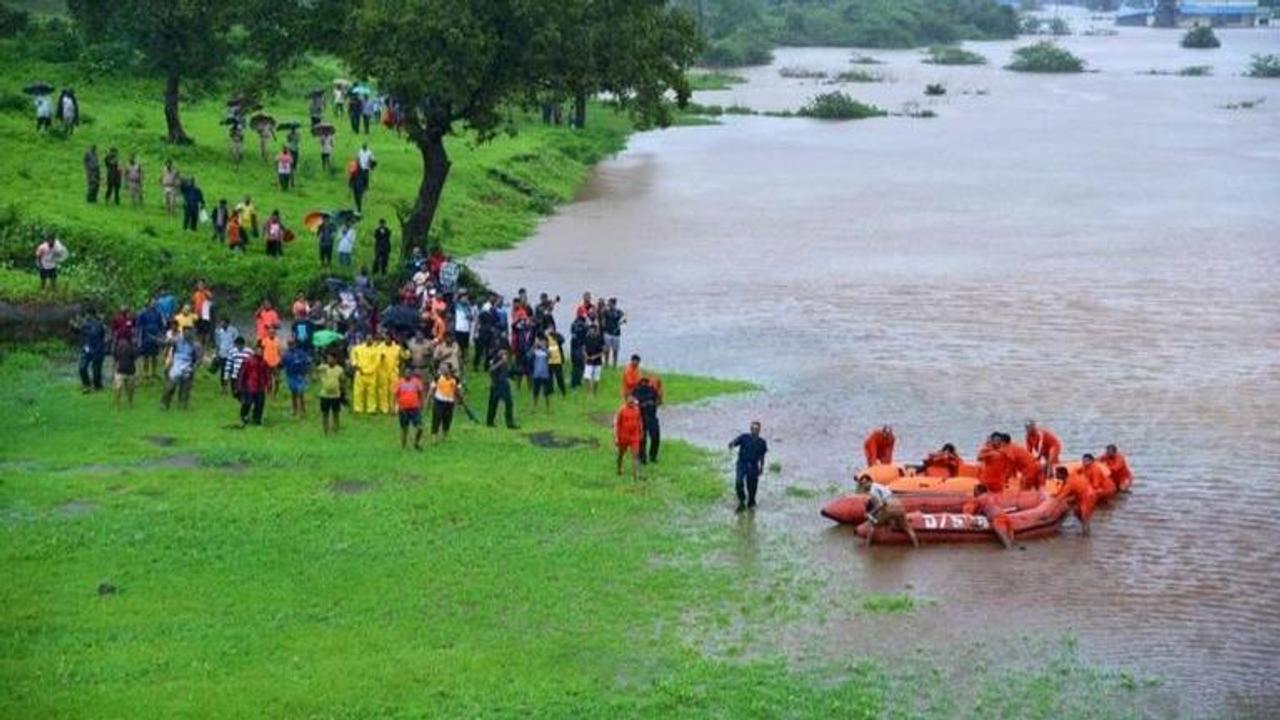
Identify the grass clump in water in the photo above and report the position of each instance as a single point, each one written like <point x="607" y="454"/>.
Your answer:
<point x="801" y="73"/>
<point x="888" y="604"/>
<point x="865" y="60"/>
<point x="952" y="55"/>
<point x="1201" y="37"/>
<point x="714" y="80"/>
<point x="1045" y="57"/>
<point x="838" y="106"/>
<point x="1264" y="66"/>
<point x="857" y="76"/>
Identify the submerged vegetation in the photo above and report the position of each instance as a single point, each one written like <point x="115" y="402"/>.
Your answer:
<point x="1045" y="57"/>
<point x="953" y="55"/>
<point x="1264" y="66"/>
<point x="744" y="32"/>
<point x="838" y="106"/>
<point x="857" y="76"/>
<point x="714" y="80"/>
<point x="795" y="73"/>
<point x="1201" y="37"/>
<point x="1188" y="71"/>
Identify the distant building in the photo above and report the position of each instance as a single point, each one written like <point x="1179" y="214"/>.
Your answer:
<point x="1189" y="13"/>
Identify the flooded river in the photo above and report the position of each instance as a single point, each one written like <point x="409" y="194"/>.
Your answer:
<point x="1100" y="252"/>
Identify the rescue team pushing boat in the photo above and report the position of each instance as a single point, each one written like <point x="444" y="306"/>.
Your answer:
<point x="1012" y="492"/>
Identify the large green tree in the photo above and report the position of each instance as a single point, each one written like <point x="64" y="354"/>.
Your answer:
<point x="462" y="65"/>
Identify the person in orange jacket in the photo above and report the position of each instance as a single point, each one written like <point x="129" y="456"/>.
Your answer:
<point x="1119" y="467"/>
<point x="943" y="463"/>
<point x="1078" y="493"/>
<point x="628" y="428"/>
<point x="878" y="446"/>
<point x="1042" y="443"/>
<point x="1027" y="465"/>
<point x="996" y="466"/>
<point x="631" y="376"/>
<point x="1098" y="478"/>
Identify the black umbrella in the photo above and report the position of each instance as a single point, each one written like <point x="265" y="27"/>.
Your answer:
<point x="319" y="91"/>
<point x="261" y="119"/>
<point x="291" y="125"/>
<point x="322" y="128"/>
<point x="39" y="88"/>
<point x="345" y="215"/>
<point x="400" y="318"/>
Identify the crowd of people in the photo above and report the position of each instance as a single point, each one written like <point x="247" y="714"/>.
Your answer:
<point x="1001" y="463"/>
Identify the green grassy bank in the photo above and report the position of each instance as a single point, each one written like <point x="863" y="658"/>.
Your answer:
<point x="495" y="194"/>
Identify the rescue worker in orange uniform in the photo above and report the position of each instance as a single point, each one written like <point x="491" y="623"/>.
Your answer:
<point x="997" y="467"/>
<point x="1077" y="492"/>
<point x="1119" y="467"/>
<point x="628" y="428"/>
<point x="878" y="446"/>
<point x="1098" y="478"/>
<point x="1042" y="443"/>
<point x="631" y="376"/>
<point x="943" y="463"/>
<point x="1027" y="465"/>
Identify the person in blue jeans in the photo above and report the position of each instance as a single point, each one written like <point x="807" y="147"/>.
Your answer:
<point x="297" y="366"/>
<point x="751" y="451"/>
<point x="93" y="350"/>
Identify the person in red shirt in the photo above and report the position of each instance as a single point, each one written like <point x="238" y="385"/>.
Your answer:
<point x="1027" y="465"/>
<point x="122" y="325"/>
<point x="878" y="446"/>
<point x="1098" y="478"/>
<point x="410" y="396"/>
<point x="628" y="428"/>
<point x="255" y="381"/>
<point x="1042" y="443"/>
<point x="631" y="376"/>
<point x="1119" y="467"/>
<point x="944" y="463"/>
<point x="1078" y="493"/>
<point x="996" y="465"/>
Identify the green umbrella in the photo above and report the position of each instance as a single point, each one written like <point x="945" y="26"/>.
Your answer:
<point x="324" y="338"/>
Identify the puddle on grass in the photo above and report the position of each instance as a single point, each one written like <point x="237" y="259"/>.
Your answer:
<point x="552" y="441"/>
<point x="350" y="487"/>
<point x="76" y="508"/>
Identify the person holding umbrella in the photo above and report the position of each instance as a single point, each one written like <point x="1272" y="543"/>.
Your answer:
<point x="265" y="126"/>
<point x="44" y="104"/>
<point x="324" y="131"/>
<point x="316" y="108"/>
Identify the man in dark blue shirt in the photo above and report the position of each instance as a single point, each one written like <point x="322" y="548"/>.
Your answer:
<point x="751" y="451"/>
<point x="93" y="349"/>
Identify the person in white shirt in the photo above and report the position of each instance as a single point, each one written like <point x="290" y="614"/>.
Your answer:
<point x="49" y="255"/>
<point x="347" y="245"/>
<point x="883" y="509"/>
<point x="44" y="113"/>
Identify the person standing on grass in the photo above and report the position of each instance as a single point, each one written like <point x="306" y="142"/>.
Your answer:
<point x="464" y="318"/>
<point x="237" y="143"/>
<point x="593" y="350"/>
<point x="410" y="397"/>
<point x="133" y="181"/>
<point x="445" y="393"/>
<point x="49" y="255"/>
<point x="751" y="452"/>
<point x="125" y="379"/>
<point x="248" y="220"/>
<point x="346" y="244"/>
<point x="324" y="237"/>
<point x="577" y="339"/>
<point x="150" y="325"/>
<point x="365" y="163"/>
<point x="69" y="109"/>
<point x="169" y="181"/>
<point x="500" y="389"/>
<point x="202" y="306"/>
<point x="540" y="374"/>
<point x="255" y="380"/>
<point x="44" y="113"/>
<point x="613" y="319"/>
<point x="284" y="167"/>
<point x="232" y="368"/>
<point x="297" y="366"/>
<point x="123" y="326"/>
<point x="93" y="350"/>
<point x="555" y="356"/>
<point x="114" y="177"/>
<point x="225" y="344"/>
<point x="648" y="396"/>
<point x="92" y="174"/>
<point x="627" y="433"/>
<point x="274" y="231"/>
<point x="381" y="247"/>
<point x="184" y="356"/>
<point x="326" y="152"/>
<point x="220" y="219"/>
<point x="293" y="141"/>
<point x="330" y="378"/>
<point x="272" y="356"/>
<point x="192" y="203"/>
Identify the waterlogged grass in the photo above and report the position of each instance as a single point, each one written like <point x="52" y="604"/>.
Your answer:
<point x="714" y="80"/>
<point x="888" y="604"/>
<point x="495" y="195"/>
<point x="953" y="55"/>
<point x="1045" y="57"/>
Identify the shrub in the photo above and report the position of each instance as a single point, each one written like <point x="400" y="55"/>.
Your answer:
<point x="934" y="89"/>
<point x="802" y="73"/>
<point x="857" y="76"/>
<point x="1201" y="37"/>
<point x="1058" y="26"/>
<point x="1196" y="71"/>
<point x="1045" y="57"/>
<point x="1264" y="66"/>
<point x="952" y="55"/>
<point x="1030" y="25"/>
<point x="12" y="21"/>
<point x="12" y="102"/>
<point x="838" y="106"/>
<point x="864" y="60"/>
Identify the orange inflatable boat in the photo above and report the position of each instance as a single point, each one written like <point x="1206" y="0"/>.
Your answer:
<point x="1022" y="515"/>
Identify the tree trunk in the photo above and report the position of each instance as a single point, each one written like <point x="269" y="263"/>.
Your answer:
<point x="435" y="169"/>
<point x="172" y="119"/>
<point x="580" y="110"/>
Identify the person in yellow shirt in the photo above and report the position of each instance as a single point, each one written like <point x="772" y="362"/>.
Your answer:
<point x="366" y="360"/>
<point x="392" y="355"/>
<point x="445" y="394"/>
<point x="186" y="318"/>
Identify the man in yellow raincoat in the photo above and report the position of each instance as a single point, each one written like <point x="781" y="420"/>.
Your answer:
<point x="366" y="359"/>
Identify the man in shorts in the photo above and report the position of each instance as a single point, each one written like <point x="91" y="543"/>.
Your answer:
<point x="628" y="428"/>
<point x="297" y="366"/>
<point x="49" y="255"/>
<point x="593" y="351"/>
<point x="883" y="509"/>
<point x="613" y="319"/>
<point x="410" y="396"/>
<point x="126" y="375"/>
<point x="330" y="378"/>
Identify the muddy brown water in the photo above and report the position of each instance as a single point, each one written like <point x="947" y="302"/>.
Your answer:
<point x="1099" y="251"/>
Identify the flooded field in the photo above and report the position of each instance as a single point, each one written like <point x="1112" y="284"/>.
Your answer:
<point x="1099" y="251"/>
